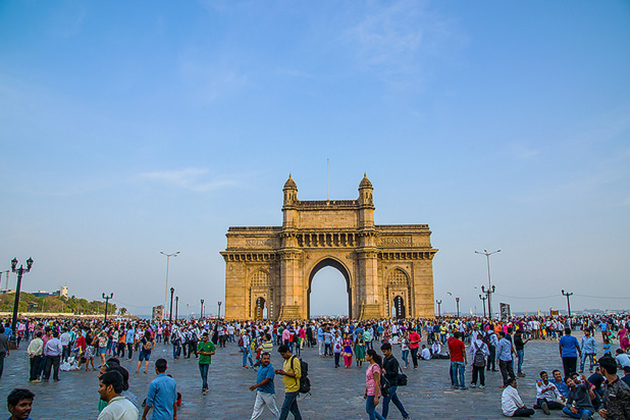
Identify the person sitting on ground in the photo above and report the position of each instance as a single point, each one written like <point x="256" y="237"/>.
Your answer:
<point x="557" y="380"/>
<point x="512" y="404"/>
<point x="579" y="405"/>
<point x="547" y="395"/>
<point x="20" y="403"/>
<point x="622" y="359"/>
<point x="436" y="349"/>
<point x="425" y="354"/>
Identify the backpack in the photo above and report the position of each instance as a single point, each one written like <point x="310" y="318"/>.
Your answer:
<point x="479" y="358"/>
<point x="385" y="386"/>
<point x="305" y="383"/>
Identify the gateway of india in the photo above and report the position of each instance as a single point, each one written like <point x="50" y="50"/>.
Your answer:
<point x="269" y="269"/>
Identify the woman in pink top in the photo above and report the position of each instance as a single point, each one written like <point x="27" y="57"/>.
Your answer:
<point x="373" y="384"/>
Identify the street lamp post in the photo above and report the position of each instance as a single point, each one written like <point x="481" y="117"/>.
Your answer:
<point x="7" y="284"/>
<point x="483" y="299"/>
<point x="170" y="312"/>
<point x="219" y="316"/>
<point x="16" y="304"/>
<point x="439" y="304"/>
<point x="490" y="286"/>
<point x="201" y="312"/>
<point x="107" y="298"/>
<point x="457" y="301"/>
<point x="176" y="307"/>
<point x="568" y="295"/>
<point x="168" y="257"/>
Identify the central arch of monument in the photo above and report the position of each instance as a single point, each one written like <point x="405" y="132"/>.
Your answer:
<point x="388" y="268"/>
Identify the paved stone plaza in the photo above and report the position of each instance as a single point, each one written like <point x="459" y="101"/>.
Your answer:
<point x="336" y="393"/>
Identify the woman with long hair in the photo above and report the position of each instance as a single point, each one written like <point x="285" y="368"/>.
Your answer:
<point x="373" y="384"/>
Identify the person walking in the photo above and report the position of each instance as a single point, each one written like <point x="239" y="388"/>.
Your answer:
<point x="457" y="352"/>
<point x="505" y="350"/>
<point x="347" y="351"/>
<point x="478" y="353"/>
<point x="205" y="350"/>
<point x="519" y="345"/>
<point x="372" y="384"/>
<point x="265" y="390"/>
<point x="147" y="343"/>
<point x="414" y="345"/>
<point x="4" y="348"/>
<point x="569" y="350"/>
<point x="291" y="372"/>
<point x="391" y="369"/>
<point x="162" y="395"/>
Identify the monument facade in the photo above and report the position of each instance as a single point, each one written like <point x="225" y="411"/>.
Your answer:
<point x="269" y="269"/>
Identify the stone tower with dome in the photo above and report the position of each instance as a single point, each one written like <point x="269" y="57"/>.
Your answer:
<point x="388" y="269"/>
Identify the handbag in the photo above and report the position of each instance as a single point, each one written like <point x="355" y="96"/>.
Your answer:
<point x="402" y="378"/>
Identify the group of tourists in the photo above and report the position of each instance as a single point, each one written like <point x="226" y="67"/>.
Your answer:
<point x="487" y="345"/>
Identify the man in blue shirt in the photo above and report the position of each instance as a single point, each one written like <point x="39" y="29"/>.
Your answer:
<point x="569" y="349"/>
<point x="561" y="386"/>
<point x="129" y="339"/>
<point x="162" y="395"/>
<point x="20" y="403"/>
<point x="266" y="394"/>
<point x="504" y="356"/>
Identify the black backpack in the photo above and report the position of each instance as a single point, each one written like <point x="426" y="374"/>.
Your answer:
<point x="305" y="383"/>
<point x="479" y="357"/>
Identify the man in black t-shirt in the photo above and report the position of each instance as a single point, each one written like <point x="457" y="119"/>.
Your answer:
<point x="390" y="371"/>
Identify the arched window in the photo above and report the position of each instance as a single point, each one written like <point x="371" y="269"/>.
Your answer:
<point x="260" y="279"/>
<point x="397" y="278"/>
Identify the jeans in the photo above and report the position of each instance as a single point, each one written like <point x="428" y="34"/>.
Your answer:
<point x="570" y="365"/>
<point x="290" y="404"/>
<point x="370" y="409"/>
<point x="262" y="399"/>
<point x="203" y="369"/>
<point x="247" y="355"/>
<point x="458" y="369"/>
<point x="405" y="357"/>
<point x="35" y="362"/>
<point x="591" y="359"/>
<point x="129" y="350"/>
<point x="520" y="354"/>
<point x="580" y="412"/>
<point x="507" y="370"/>
<point x="52" y="362"/>
<point x="479" y="372"/>
<point x="177" y="348"/>
<point x="492" y="358"/>
<point x="337" y="359"/>
<point x="393" y="397"/>
<point x="320" y="347"/>
<point x="414" y="357"/>
<point x="2" y="356"/>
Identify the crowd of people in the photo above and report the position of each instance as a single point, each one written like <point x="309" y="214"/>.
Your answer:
<point x="486" y="345"/>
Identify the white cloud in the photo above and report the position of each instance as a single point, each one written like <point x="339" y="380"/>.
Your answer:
<point x="189" y="178"/>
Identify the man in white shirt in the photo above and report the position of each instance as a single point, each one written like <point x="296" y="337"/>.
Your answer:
<point x="622" y="359"/>
<point x="65" y="339"/>
<point x="118" y="408"/>
<point x="35" y="350"/>
<point x="425" y="354"/>
<point x="547" y="395"/>
<point x="512" y="404"/>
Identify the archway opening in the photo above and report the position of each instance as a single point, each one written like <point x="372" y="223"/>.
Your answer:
<point x="261" y="308"/>
<point x="329" y="290"/>
<point x="399" y="308"/>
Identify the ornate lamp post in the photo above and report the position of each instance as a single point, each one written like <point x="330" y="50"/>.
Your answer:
<point x="107" y="298"/>
<point x="16" y="304"/>
<point x="439" y="304"/>
<point x="7" y="284"/>
<point x="176" y="307"/>
<point x="201" y="312"/>
<point x="170" y="312"/>
<point x="457" y="301"/>
<point x="168" y="257"/>
<point x="483" y="299"/>
<point x="490" y="286"/>
<point x="219" y="316"/>
<point x="568" y="295"/>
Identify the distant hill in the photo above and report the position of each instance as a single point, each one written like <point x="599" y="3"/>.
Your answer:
<point x="79" y="306"/>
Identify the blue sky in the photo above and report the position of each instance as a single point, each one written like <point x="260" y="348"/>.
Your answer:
<point x="133" y="128"/>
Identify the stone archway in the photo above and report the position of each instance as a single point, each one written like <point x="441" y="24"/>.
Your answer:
<point x="278" y="263"/>
<point x="329" y="262"/>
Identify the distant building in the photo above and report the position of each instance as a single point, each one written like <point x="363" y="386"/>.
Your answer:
<point x="63" y="292"/>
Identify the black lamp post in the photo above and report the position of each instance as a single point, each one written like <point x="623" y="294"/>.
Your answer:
<point x="490" y="286"/>
<point x="219" y="316"/>
<point x="483" y="299"/>
<point x="170" y="313"/>
<point x="176" y="307"/>
<point x="567" y="294"/>
<point x="488" y="292"/>
<point x="107" y="298"/>
<point x="201" y="312"/>
<point x="16" y="304"/>
<point x="457" y="300"/>
<point x="439" y="304"/>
